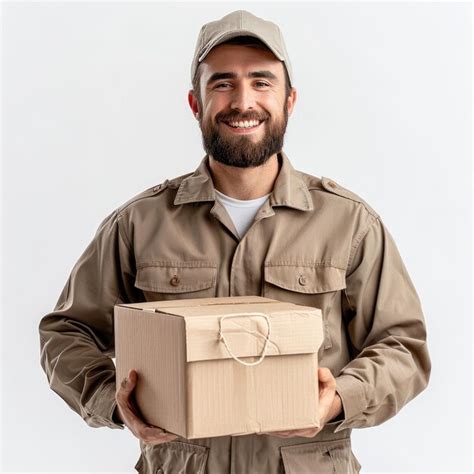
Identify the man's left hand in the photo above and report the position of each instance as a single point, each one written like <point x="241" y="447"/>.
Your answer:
<point x="330" y="406"/>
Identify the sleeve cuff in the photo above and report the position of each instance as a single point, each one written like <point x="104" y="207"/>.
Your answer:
<point x="103" y="409"/>
<point x="352" y="393"/>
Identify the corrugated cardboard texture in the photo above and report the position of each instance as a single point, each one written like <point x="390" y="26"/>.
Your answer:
<point x="191" y="385"/>
<point x="154" y="345"/>
<point x="292" y="331"/>
<point x="158" y="305"/>
<point x="278" y="394"/>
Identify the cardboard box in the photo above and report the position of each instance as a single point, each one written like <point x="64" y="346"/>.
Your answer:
<point x="221" y="366"/>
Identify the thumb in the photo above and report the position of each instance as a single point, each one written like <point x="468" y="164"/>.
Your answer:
<point x="129" y="382"/>
<point x="132" y="376"/>
<point x="325" y="375"/>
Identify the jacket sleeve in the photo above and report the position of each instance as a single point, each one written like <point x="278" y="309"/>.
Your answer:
<point x="387" y="330"/>
<point x="77" y="337"/>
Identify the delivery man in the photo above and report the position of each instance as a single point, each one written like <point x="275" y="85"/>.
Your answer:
<point x="245" y="223"/>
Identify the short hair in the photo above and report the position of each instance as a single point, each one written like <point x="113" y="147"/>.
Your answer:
<point x="250" y="41"/>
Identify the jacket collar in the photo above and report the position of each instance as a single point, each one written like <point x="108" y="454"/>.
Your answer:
<point x="289" y="190"/>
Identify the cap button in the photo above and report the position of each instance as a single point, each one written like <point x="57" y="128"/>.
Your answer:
<point x="332" y="184"/>
<point x="302" y="280"/>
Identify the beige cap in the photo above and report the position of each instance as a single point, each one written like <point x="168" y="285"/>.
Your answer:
<point x="240" y="23"/>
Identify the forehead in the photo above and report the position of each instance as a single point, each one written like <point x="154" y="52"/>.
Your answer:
<point x="240" y="58"/>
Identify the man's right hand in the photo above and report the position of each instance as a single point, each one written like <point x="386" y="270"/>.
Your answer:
<point x="129" y="414"/>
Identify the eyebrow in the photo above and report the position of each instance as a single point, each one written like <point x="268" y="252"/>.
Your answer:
<point x="232" y="75"/>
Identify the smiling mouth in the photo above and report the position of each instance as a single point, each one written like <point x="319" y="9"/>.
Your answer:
<point x="243" y="129"/>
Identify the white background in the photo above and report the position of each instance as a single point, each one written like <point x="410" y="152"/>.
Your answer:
<point x="95" y="110"/>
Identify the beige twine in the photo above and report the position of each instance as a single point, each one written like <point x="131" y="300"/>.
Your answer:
<point x="267" y="340"/>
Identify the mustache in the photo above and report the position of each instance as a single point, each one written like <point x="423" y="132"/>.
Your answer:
<point x="238" y="118"/>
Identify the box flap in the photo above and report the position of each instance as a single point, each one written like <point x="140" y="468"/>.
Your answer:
<point x="293" y="330"/>
<point x="242" y="320"/>
<point x="158" y="305"/>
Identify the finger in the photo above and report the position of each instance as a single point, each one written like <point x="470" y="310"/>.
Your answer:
<point x="130" y="416"/>
<point x="131" y="419"/>
<point x="134" y="406"/>
<point x="159" y="440"/>
<point x="308" y="433"/>
<point x="151" y="433"/>
<point x="324" y="407"/>
<point x="271" y="432"/>
<point x="280" y="434"/>
<point x="326" y="398"/>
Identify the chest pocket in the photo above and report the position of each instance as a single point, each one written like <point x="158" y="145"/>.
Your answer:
<point x="320" y="456"/>
<point x="313" y="285"/>
<point x="169" y="280"/>
<point x="174" y="457"/>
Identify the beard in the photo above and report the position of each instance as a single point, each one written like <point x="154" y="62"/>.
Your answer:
<point x="241" y="150"/>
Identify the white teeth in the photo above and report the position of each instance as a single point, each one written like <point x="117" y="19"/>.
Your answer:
<point x="244" y="124"/>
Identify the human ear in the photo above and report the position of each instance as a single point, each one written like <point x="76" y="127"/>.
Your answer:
<point x="193" y="103"/>
<point x="290" y="101"/>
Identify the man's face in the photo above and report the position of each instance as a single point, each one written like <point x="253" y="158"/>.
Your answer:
<point x="240" y="83"/>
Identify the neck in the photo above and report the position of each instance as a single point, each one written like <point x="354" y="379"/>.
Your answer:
<point x="245" y="183"/>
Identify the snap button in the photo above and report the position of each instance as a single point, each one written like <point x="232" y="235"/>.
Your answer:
<point x="332" y="184"/>
<point x="159" y="187"/>
<point x="302" y="280"/>
<point x="175" y="280"/>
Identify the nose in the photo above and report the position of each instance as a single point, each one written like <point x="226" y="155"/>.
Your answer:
<point x="243" y="98"/>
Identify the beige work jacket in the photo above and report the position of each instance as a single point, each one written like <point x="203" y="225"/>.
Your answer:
<point x="312" y="243"/>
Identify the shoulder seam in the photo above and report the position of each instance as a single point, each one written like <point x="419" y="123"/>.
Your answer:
<point x="330" y="186"/>
<point x="123" y="233"/>
<point x="153" y="191"/>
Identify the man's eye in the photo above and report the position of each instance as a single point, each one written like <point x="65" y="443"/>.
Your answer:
<point x="258" y="83"/>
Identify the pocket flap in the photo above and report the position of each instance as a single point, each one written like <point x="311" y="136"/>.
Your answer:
<point x="176" y="277"/>
<point x="177" y="457"/>
<point x="307" y="278"/>
<point x="320" y="456"/>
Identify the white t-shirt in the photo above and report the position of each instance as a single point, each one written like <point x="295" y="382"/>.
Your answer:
<point x="242" y="212"/>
